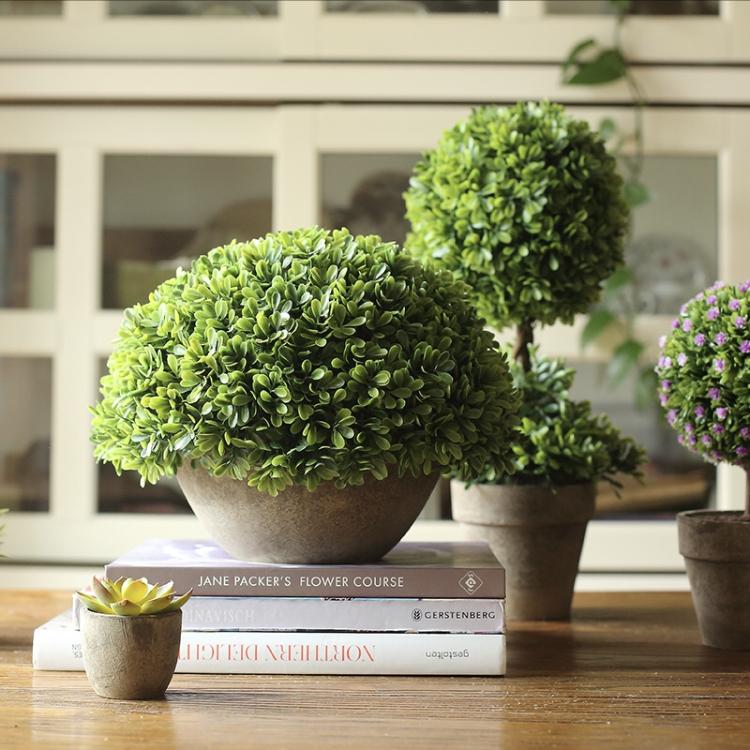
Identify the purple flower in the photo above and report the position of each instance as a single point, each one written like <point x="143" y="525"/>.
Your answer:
<point x="719" y="364"/>
<point x="734" y="304"/>
<point x="711" y="299"/>
<point x="718" y="285"/>
<point x="713" y="313"/>
<point x="699" y="296"/>
<point x="675" y="323"/>
<point x="721" y="412"/>
<point x="714" y="394"/>
<point x="665" y="362"/>
<point x="745" y="433"/>
<point x="687" y="325"/>
<point x="689" y="428"/>
<point x="684" y="309"/>
<point x="700" y="411"/>
<point x="699" y="339"/>
<point x="662" y="342"/>
<point x="706" y="440"/>
<point x="721" y="338"/>
<point x="745" y="286"/>
<point x="663" y="398"/>
<point x="691" y="439"/>
<point x="681" y="439"/>
<point x="716" y="456"/>
<point x="740" y="321"/>
<point x="741" y="451"/>
<point x="717" y="428"/>
<point x="671" y="416"/>
<point x="682" y="359"/>
<point x="745" y="347"/>
<point x="666" y="385"/>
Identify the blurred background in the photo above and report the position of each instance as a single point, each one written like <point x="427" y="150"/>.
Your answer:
<point x="137" y="134"/>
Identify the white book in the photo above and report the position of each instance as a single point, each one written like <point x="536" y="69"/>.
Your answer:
<point x="57" y="646"/>
<point x="359" y="615"/>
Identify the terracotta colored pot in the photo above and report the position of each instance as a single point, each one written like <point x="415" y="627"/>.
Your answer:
<point x="130" y="658"/>
<point x="537" y="535"/>
<point x="353" y="525"/>
<point x="716" y="548"/>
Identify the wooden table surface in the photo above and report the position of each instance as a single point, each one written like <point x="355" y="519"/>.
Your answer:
<point x="627" y="672"/>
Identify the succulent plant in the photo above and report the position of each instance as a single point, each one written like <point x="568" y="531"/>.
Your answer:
<point x="525" y="205"/>
<point x="131" y="597"/>
<point x="305" y="357"/>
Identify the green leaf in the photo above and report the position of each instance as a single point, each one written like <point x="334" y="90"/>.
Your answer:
<point x="598" y="322"/>
<point x="607" y="128"/>
<point x="636" y="194"/>
<point x="624" y="359"/>
<point x="608" y="66"/>
<point x="646" y="388"/>
<point x="621" y="278"/>
<point x="575" y="53"/>
<point x="621" y="6"/>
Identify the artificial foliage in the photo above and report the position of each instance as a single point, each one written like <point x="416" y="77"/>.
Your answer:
<point x="704" y="374"/>
<point x="131" y="597"/>
<point x="559" y="441"/>
<point x="525" y="205"/>
<point x="302" y="357"/>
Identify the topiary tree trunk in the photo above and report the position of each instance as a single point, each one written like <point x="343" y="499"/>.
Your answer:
<point x="524" y="339"/>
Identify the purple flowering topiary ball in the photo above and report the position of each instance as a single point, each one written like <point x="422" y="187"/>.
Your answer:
<point x="704" y="374"/>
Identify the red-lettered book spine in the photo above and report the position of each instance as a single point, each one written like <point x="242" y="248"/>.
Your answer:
<point x="59" y="648"/>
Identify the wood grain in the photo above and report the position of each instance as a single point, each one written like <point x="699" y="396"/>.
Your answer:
<point x="627" y="672"/>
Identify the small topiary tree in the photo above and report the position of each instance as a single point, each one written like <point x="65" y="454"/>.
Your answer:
<point x="704" y="374"/>
<point x="305" y="357"/>
<point x="525" y="205"/>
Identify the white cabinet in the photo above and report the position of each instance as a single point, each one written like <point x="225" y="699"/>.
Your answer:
<point x="129" y="143"/>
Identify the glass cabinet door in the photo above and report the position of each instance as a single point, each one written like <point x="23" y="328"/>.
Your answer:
<point x="27" y="230"/>
<point x="193" y="7"/>
<point x="160" y="212"/>
<point x="364" y="192"/>
<point x="26" y="417"/>
<point x="636" y="7"/>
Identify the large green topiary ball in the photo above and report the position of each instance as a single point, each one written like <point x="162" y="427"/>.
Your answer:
<point x="524" y="204"/>
<point x="303" y="357"/>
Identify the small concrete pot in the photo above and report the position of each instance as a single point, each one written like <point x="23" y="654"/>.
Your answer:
<point x="130" y="658"/>
<point x="716" y="548"/>
<point x="329" y="525"/>
<point x="536" y="533"/>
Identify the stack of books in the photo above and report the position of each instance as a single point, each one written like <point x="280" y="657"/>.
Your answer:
<point x="424" y="609"/>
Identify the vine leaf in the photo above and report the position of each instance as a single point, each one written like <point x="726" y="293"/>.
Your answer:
<point x="573" y="58"/>
<point x="645" y="388"/>
<point x="598" y="322"/>
<point x="636" y="193"/>
<point x="624" y="359"/>
<point x="608" y="66"/>
<point x="621" y="278"/>
<point x="607" y="128"/>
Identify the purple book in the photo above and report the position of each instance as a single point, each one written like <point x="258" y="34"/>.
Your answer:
<point x="440" y="570"/>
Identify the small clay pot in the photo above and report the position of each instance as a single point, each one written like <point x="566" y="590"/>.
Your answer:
<point x="716" y="548"/>
<point x="536" y="533"/>
<point x="130" y="658"/>
<point x="329" y="525"/>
